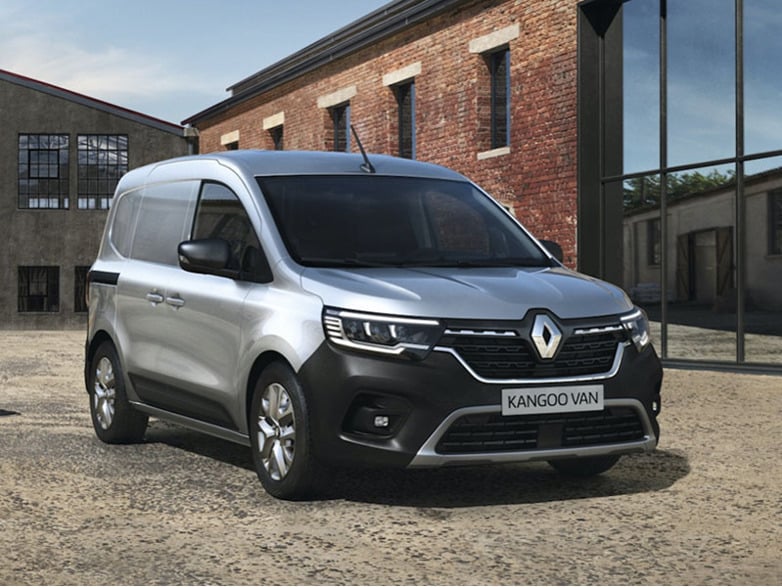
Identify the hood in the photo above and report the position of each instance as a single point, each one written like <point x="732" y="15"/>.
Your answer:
<point x="490" y="293"/>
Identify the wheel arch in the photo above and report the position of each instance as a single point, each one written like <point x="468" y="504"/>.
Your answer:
<point x="261" y="362"/>
<point x="100" y="337"/>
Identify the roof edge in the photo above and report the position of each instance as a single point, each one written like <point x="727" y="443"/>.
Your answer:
<point x="375" y="26"/>
<point x="84" y="100"/>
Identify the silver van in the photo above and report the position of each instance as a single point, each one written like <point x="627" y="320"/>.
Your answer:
<point x="332" y="308"/>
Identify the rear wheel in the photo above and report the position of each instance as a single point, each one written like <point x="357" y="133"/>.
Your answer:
<point x="113" y="418"/>
<point x="585" y="466"/>
<point x="280" y="434"/>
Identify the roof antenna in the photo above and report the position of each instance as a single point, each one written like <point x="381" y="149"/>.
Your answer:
<point x="366" y="165"/>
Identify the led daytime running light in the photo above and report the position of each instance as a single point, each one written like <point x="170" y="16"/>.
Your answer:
<point x="637" y="325"/>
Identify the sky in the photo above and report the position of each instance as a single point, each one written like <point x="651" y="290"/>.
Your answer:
<point x="166" y="58"/>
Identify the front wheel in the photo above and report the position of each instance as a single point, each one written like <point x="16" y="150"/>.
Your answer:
<point x="280" y="434"/>
<point x="584" y="466"/>
<point x="113" y="418"/>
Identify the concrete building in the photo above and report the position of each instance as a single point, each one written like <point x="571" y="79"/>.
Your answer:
<point x="558" y="108"/>
<point x="61" y="154"/>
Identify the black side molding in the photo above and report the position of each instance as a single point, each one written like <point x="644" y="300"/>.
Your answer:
<point x="104" y="277"/>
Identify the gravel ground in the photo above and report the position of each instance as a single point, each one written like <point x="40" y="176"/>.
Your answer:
<point x="181" y="508"/>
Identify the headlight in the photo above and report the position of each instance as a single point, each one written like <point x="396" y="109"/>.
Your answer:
<point x="637" y="326"/>
<point x="389" y="335"/>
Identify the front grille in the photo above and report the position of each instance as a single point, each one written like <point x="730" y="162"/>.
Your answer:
<point x="503" y="357"/>
<point x="490" y="433"/>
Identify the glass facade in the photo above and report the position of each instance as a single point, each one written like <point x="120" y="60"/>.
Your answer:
<point x="685" y="163"/>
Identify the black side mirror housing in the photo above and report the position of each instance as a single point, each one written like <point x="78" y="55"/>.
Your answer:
<point x="207" y="255"/>
<point x="555" y="250"/>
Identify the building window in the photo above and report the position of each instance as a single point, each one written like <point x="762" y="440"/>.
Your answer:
<point x="43" y="171"/>
<point x="775" y="223"/>
<point x="653" y="242"/>
<point x="80" y="288"/>
<point x="405" y="99"/>
<point x="277" y="140"/>
<point x="499" y="68"/>
<point x="39" y="289"/>
<point x="230" y="140"/>
<point x="340" y="121"/>
<point x="103" y="159"/>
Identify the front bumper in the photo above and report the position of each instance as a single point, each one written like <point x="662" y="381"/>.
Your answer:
<point x="421" y="401"/>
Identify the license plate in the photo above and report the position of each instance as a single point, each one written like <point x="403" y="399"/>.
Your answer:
<point x="552" y="400"/>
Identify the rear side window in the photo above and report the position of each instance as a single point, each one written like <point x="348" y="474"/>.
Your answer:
<point x="126" y="209"/>
<point x="164" y="220"/>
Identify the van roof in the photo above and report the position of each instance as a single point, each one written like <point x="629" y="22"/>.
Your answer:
<point x="265" y="163"/>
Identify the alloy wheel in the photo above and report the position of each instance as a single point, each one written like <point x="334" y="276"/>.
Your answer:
<point x="104" y="393"/>
<point x="276" y="431"/>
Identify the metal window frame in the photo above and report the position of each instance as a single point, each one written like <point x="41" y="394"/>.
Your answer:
<point x="599" y="44"/>
<point x="499" y="100"/>
<point x="96" y="181"/>
<point x="405" y="99"/>
<point x="51" y="295"/>
<point x="341" y="128"/>
<point x="43" y="184"/>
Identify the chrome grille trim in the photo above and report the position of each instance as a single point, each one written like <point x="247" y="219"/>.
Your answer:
<point x="602" y="330"/>
<point x="427" y="455"/>
<point x="481" y="332"/>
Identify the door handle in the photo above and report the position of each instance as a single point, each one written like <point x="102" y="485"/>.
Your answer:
<point x="154" y="297"/>
<point x="175" y="301"/>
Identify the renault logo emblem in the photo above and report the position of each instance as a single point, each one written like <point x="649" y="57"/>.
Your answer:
<point x="546" y="336"/>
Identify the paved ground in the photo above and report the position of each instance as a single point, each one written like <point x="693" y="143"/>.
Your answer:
<point x="181" y="508"/>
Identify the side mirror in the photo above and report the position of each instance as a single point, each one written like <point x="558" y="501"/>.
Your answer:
<point x="553" y="248"/>
<point x="206" y="255"/>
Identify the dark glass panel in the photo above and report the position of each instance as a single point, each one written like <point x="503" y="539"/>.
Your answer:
<point x="500" y="98"/>
<point x="763" y="298"/>
<point x="701" y="80"/>
<point x="405" y="97"/>
<point x="641" y="83"/>
<point x="701" y="255"/>
<point x="642" y="247"/>
<point x="762" y="76"/>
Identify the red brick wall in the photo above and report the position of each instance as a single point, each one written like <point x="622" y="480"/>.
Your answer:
<point x="537" y="177"/>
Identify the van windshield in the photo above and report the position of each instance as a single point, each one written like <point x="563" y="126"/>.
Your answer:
<point x="386" y="221"/>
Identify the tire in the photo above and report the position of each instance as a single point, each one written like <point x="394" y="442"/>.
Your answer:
<point x="113" y="418"/>
<point x="280" y="435"/>
<point x="585" y="466"/>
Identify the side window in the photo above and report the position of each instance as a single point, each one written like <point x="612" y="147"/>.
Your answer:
<point x="164" y="219"/>
<point x="126" y="208"/>
<point x="220" y="214"/>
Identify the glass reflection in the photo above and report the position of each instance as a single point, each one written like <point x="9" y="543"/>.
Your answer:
<point x="762" y="76"/>
<point x="701" y="80"/>
<point x="701" y="264"/>
<point x="763" y="301"/>
<point x="641" y="85"/>
<point x="641" y="247"/>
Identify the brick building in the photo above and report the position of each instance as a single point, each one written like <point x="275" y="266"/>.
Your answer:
<point x="61" y="154"/>
<point x="584" y="117"/>
<point x="487" y="88"/>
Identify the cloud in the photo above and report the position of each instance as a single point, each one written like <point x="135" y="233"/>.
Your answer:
<point x="48" y="48"/>
<point x="110" y="73"/>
